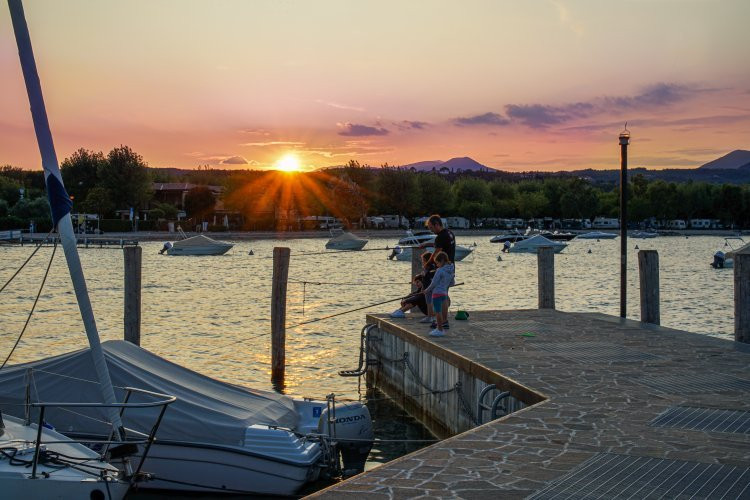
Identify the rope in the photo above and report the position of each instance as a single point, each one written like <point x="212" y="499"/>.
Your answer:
<point x="39" y="245"/>
<point x="36" y="300"/>
<point x="342" y="313"/>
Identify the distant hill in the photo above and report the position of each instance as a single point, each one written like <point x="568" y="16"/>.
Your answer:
<point x="739" y="158"/>
<point x="460" y="164"/>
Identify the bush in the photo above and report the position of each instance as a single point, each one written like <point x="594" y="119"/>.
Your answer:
<point x="13" y="222"/>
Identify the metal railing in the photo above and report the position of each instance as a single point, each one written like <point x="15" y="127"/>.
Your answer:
<point x="163" y="401"/>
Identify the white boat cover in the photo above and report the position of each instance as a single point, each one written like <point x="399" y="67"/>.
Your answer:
<point x="198" y="241"/>
<point x="206" y="410"/>
<point x="345" y="237"/>
<point x="533" y="243"/>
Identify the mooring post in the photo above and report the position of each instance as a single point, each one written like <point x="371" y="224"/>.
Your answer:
<point x="278" y="314"/>
<point x="742" y="296"/>
<point x="132" y="319"/>
<point x="546" y="269"/>
<point x="416" y="265"/>
<point x="648" y="268"/>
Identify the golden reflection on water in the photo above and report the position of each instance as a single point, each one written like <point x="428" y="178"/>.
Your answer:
<point x="211" y="314"/>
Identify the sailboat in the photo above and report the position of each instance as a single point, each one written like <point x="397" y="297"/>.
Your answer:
<point x="36" y="461"/>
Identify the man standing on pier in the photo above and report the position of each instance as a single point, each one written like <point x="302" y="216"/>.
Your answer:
<point x="445" y="241"/>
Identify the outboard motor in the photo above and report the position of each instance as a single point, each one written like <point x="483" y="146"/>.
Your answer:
<point x="719" y="260"/>
<point x="166" y="247"/>
<point x="352" y="431"/>
<point x="396" y="251"/>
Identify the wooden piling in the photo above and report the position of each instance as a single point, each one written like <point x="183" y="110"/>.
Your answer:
<point x="132" y="314"/>
<point x="278" y="314"/>
<point x="648" y="269"/>
<point x="416" y="265"/>
<point x="546" y="270"/>
<point x="742" y="296"/>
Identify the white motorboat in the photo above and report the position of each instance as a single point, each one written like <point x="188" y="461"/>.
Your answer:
<point x="403" y="253"/>
<point x="531" y="245"/>
<point x="341" y="240"/>
<point x="643" y="234"/>
<point x="725" y="260"/>
<point x="416" y="238"/>
<point x="216" y="436"/>
<point x="512" y="237"/>
<point x="196" y="245"/>
<point x="597" y="235"/>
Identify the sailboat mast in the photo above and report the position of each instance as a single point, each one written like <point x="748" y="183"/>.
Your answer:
<point x="60" y="204"/>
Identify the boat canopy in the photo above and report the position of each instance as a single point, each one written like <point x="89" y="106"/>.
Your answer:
<point x="198" y="241"/>
<point x="206" y="410"/>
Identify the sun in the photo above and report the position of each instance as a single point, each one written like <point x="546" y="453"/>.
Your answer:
<point x="288" y="163"/>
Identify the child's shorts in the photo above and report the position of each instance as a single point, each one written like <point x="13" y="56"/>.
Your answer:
<point x="437" y="302"/>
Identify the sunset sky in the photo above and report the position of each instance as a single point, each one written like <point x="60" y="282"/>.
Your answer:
<point x="516" y="85"/>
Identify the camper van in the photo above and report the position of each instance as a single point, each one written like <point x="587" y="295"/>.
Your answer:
<point x="394" y="222"/>
<point x="676" y="224"/>
<point x="458" y="222"/>
<point x="605" y="223"/>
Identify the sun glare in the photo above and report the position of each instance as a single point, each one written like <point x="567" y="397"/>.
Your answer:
<point x="288" y="163"/>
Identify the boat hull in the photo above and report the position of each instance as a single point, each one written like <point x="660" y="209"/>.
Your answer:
<point x="209" y="468"/>
<point x="404" y="253"/>
<point x="214" y="250"/>
<point x="346" y="245"/>
<point x="555" y="248"/>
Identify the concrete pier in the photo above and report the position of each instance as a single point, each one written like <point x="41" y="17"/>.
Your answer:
<point x="613" y="408"/>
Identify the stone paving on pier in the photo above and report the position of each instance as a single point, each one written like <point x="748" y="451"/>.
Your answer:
<point x="630" y="411"/>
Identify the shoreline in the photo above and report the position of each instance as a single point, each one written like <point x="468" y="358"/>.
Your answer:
<point x="375" y="233"/>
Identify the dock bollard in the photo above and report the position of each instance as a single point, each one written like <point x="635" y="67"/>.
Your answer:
<point x="648" y="269"/>
<point x="546" y="269"/>
<point x="742" y="296"/>
<point x="278" y="315"/>
<point x="133" y="257"/>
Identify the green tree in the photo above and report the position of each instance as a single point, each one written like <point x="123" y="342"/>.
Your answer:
<point x="36" y="209"/>
<point x="80" y="173"/>
<point x="397" y="191"/>
<point x="98" y="201"/>
<point x="435" y="194"/>
<point x="167" y="210"/>
<point x="532" y="204"/>
<point x="579" y="200"/>
<point x="504" y="199"/>
<point x="473" y="198"/>
<point x="3" y="208"/>
<point x="9" y="190"/>
<point x="125" y="174"/>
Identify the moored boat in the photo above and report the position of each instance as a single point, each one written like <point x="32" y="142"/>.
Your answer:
<point x="341" y="240"/>
<point x="531" y="245"/>
<point x="597" y="235"/>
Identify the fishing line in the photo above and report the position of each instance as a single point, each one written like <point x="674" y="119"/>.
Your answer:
<point x="38" y="246"/>
<point x="36" y="300"/>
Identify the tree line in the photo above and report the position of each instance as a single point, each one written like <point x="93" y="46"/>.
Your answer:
<point x="102" y="184"/>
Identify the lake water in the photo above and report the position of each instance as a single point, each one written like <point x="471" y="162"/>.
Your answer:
<point x="211" y="314"/>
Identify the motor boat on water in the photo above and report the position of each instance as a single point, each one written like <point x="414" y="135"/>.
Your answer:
<point x="597" y="235"/>
<point x="512" y="237"/>
<point x="643" y="234"/>
<point x="195" y="245"/>
<point x="531" y="245"/>
<point x="341" y="240"/>
<point x="417" y="238"/>
<point x="725" y="260"/>
<point x="215" y="437"/>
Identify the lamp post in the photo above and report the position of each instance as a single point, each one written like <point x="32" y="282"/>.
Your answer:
<point x="624" y="141"/>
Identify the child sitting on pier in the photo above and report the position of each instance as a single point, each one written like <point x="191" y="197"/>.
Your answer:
<point x="414" y="299"/>
<point x="439" y="291"/>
